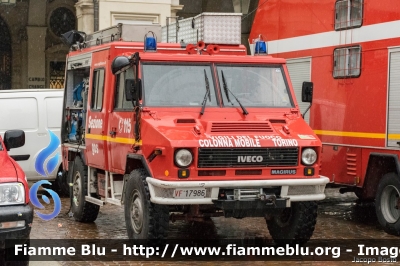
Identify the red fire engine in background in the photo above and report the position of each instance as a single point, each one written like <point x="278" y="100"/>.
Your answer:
<point x="350" y="49"/>
<point x="187" y="131"/>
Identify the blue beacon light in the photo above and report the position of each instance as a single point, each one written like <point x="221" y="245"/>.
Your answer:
<point x="260" y="46"/>
<point x="150" y="42"/>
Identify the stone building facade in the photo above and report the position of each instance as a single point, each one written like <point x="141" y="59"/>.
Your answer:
<point x="32" y="54"/>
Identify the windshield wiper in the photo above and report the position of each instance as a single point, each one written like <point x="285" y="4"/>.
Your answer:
<point x="226" y="89"/>
<point x="207" y="94"/>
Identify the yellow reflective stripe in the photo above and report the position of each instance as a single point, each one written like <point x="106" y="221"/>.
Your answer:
<point x="394" y="136"/>
<point x="95" y="137"/>
<point x="110" y="139"/>
<point x="356" y="134"/>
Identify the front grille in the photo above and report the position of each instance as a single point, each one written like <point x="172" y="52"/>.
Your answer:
<point x="258" y="127"/>
<point x="302" y="190"/>
<point x="247" y="157"/>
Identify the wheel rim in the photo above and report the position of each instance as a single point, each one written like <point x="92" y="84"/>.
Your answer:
<point x="137" y="212"/>
<point x="76" y="188"/>
<point x="390" y="204"/>
<point x="284" y="218"/>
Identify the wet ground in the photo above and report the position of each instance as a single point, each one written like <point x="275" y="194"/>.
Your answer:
<point x="340" y="217"/>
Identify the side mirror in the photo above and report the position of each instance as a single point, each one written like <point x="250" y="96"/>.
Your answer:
<point x="133" y="91"/>
<point x="14" y="139"/>
<point x="129" y="89"/>
<point x="120" y="64"/>
<point x="307" y="92"/>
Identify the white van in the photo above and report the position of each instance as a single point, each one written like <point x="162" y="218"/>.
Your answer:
<point x="37" y="112"/>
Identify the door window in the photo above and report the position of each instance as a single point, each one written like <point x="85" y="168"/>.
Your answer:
<point x="98" y="90"/>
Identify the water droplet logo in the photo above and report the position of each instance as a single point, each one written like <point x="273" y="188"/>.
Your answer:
<point x="35" y="201"/>
<point x="52" y="162"/>
<point x="45" y="153"/>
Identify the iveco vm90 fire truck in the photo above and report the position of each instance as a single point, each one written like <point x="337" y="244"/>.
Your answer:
<point x="186" y="131"/>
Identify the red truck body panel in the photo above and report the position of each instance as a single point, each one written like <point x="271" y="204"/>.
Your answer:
<point x="349" y="115"/>
<point x="10" y="171"/>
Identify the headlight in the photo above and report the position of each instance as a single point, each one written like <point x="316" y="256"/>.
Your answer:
<point x="309" y="156"/>
<point x="183" y="158"/>
<point x="12" y="193"/>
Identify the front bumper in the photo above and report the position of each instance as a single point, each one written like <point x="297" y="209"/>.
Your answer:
<point x="307" y="189"/>
<point x="13" y="213"/>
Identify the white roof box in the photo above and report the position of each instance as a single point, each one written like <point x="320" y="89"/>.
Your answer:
<point x="211" y="28"/>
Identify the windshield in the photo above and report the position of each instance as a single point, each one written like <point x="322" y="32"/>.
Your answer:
<point x="254" y="86"/>
<point x="177" y="85"/>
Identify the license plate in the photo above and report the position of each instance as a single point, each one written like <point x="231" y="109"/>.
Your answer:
<point x="190" y="193"/>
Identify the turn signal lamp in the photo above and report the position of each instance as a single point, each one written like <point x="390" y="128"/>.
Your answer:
<point x="150" y="42"/>
<point x="260" y="46"/>
<point x="183" y="173"/>
<point x="308" y="171"/>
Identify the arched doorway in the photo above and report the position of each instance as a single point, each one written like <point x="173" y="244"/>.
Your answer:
<point x="5" y="56"/>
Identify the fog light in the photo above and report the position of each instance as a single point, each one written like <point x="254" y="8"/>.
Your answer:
<point x="5" y="225"/>
<point x="308" y="171"/>
<point x="183" y="173"/>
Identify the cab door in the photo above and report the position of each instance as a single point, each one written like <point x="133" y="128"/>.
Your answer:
<point x="96" y="119"/>
<point x="121" y="123"/>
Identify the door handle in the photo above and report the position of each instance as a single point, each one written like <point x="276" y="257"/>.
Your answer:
<point x="113" y="132"/>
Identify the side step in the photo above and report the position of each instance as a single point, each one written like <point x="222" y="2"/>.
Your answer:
<point x="95" y="201"/>
<point x="347" y="189"/>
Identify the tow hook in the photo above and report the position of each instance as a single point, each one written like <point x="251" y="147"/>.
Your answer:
<point x="270" y="199"/>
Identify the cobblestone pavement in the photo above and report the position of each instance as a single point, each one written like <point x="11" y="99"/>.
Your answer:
<point x="340" y="217"/>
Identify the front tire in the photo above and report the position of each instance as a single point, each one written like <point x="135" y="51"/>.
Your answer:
<point x="387" y="203"/>
<point x="60" y="185"/>
<point x="83" y="211"/>
<point x="144" y="219"/>
<point x="10" y="250"/>
<point x="295" y="225"/>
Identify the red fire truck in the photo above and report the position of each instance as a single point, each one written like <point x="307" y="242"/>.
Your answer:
<point x="350" y="49"/>
<point x="186" y="131"/>
<point x="15" y="207"/>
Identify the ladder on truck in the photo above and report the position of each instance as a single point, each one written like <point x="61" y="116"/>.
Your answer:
<point x="168" y="31"/>
<point x="121" y="32"/>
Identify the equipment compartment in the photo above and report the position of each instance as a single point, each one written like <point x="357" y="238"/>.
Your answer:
<point x="220" y="28"/>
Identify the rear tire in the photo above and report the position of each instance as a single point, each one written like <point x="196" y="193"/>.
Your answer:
<point x="295" y="225"/>
<point x="83" y="211"/>
<point x="387" y="203"/>
<point x="144" y="219"/>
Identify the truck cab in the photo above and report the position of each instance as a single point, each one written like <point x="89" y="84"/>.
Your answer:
<point x="16" y="212"/>
<point x="190" y="132"/>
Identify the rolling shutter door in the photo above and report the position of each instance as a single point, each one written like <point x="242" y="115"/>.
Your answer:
<point x="300" y="71"/>
<point x="394" y="99"/>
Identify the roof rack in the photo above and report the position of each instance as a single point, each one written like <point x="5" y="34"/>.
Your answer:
<point x="119" y="32"/>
